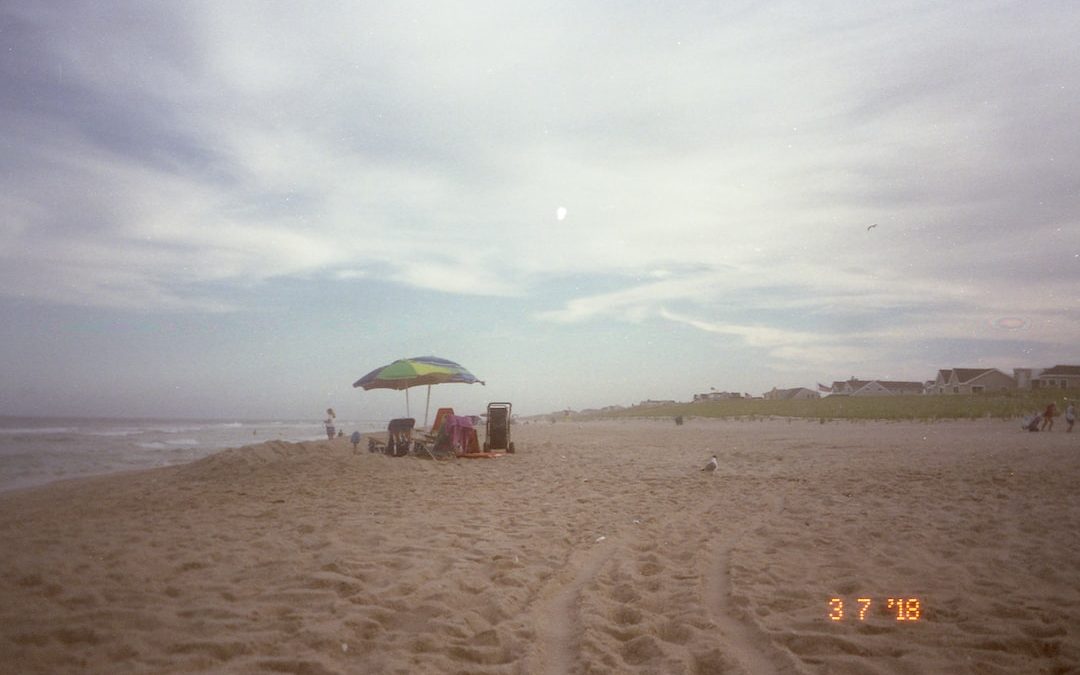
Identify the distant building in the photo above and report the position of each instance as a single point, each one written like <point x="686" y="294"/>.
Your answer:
<point x="941" y="382"/>
<point x="652" y="404"/>
<point x="889" y="388"/>
<point x="849" y="387"/>
<point x="857" y="387"/>
<point x="971" y="381"/>
<point x="717" y="396"/>
<point x="797" y="393"/>
<point x="1058" y="377"/>
<point x="1024" y="376"/>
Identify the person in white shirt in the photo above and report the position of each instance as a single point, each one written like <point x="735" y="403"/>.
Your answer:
<point x="329" y="423"/>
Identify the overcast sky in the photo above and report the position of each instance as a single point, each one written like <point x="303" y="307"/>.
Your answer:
<point x="237" y="209"/>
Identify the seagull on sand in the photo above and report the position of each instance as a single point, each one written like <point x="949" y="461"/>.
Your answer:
<point x="712" y="465"/>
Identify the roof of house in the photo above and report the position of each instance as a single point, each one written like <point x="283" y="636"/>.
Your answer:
<point x="1061" y="370"/>
<point x="900" y="386"/>
<point x="969" y="374"/>
<point x="789" y="393"/>
<point x="894" y="387"/>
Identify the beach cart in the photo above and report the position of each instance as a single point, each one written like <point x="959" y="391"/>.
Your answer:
<point x="497" y="431"/>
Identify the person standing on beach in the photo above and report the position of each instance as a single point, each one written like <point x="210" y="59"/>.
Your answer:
<point x="1048" y="417"/>
<point x="329" y="423"/>
<point x="1070" y="417"/>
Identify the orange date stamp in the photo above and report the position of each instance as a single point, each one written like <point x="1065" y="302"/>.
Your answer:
<point x="900" y="609"/>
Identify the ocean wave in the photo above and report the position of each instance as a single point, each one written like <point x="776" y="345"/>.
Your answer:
<point x="115" y="432"/>
<point x="38" y="430"/>
<point x="178" y="429"/>
<point x="169" y="444"/>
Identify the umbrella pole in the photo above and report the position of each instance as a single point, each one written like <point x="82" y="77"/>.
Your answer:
<point x="427" y="406"/>
<point x="407" y="403"/>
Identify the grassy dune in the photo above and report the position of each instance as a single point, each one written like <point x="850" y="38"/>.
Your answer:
<point x="1001" y="406"/>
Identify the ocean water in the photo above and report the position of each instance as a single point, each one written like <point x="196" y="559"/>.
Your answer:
<point x="39" y="450"/>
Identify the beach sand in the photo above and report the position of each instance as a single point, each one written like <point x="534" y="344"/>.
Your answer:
<point x="598" y="548"/>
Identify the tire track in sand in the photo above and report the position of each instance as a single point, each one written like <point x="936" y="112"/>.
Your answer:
<point x="557" y="621"/>
<point x="743" y="641"/>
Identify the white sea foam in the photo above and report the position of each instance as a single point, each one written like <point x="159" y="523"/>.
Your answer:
<point x="114" y="433"/>
<point x="39" y="450"/>
<point x="13" y="431"/>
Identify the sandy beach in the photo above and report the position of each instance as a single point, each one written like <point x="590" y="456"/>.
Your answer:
<point x="598" y="548"/>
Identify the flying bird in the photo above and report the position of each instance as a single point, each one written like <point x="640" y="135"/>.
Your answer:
<point x="871" y="227"/>
<point x="712" y="465"/>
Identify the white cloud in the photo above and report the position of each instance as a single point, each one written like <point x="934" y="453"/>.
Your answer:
<point x="753" y="147"/>
<point x="754" y="335"/>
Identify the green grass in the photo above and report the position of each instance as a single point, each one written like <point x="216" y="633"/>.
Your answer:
<point x="1001" y="406"/>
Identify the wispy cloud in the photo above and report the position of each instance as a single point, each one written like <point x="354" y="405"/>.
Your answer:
<point x="744" y="151"/>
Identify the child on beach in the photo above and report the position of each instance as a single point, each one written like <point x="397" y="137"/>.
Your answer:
<point x="355" y="440"/>
<point x="1048" y="417"/>
<point x="329" y="423"/>
<point x="1070" y="417"/>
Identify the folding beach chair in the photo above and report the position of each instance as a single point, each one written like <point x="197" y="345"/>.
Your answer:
<point x="440" y="416"/>
<point x="497" y="432"/>
<point x="456" y="437"/>
<point x="398" y="438"/>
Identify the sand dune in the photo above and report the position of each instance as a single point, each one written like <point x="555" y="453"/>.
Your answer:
<point x="598" y="548"/>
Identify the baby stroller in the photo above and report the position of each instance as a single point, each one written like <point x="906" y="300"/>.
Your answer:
<point x="497" y="432"/>
<point x="1032" y="423"/>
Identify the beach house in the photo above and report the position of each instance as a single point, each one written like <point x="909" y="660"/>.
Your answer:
<point x="650" y="403"/>
<point x="717" y="396"/>
<point x="889" y="388"/>
<point x="1058" y="377"/>
<point x="791" y="394"/>
<point x="857" y="387"/>
<point x="849" y="387"/>
<point x="971" y="381"/>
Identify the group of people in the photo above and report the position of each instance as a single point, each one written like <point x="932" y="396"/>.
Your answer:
<point x="1044" y="421"/>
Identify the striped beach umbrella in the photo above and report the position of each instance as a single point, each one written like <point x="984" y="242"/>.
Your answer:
<point x="415" y="372"/>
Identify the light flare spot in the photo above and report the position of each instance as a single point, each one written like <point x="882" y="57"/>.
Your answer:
<point x="1010" y="323"/>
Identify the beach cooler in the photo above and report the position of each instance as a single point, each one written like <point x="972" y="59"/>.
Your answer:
<point x="497" y="432"/>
